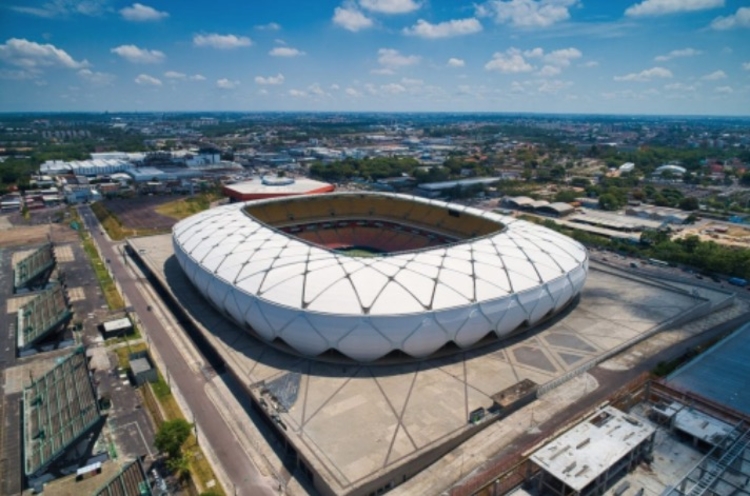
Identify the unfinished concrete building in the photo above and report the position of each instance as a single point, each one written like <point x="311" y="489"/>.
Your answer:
<point x="592" y="456"/>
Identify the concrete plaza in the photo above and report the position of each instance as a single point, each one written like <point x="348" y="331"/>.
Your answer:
<point x="362" y="426"/>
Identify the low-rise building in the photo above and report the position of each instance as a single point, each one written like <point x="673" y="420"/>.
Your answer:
<point x="593" y="455"/>
<point x="272" y="187"/>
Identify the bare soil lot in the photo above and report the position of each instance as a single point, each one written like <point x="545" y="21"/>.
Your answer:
<point x="140" y="213"/>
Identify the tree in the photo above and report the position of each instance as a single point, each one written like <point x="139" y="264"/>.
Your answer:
<point x="609" y="201"/>
<point x="566" y="196"/>
<point x="179" y="466"/>
<point x="689" y="203"/>
<point x="745" y="179"/>
<point x="171" y="436"/>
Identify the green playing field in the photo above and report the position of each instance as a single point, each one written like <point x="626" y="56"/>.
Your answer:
<point x="359" y="251"/>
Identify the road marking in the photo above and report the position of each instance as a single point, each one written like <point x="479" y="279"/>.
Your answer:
<point x="143" y="438"/>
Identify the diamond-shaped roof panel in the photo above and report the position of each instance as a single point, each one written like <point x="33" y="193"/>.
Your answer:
<point x="262" y="259"/>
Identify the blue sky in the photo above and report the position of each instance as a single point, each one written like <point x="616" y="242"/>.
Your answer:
<point x="569" y="56"/>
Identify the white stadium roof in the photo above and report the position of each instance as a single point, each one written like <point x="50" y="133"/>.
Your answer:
<point x="316" y="299"/>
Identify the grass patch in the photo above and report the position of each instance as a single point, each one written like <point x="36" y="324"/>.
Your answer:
<point x="124" y="352"/>
<point x="111" y="295"/>
<point x="161" y="388"/>
<point x="109" y="221"/>
<point x="112" y="224"/>
<point x="199" y="467"/>
<point x="185" y="207"/>
<point x="134" y="334"/>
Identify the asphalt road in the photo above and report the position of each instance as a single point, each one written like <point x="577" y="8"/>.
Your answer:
<point x="645" y="269"/>
<point x="211" y="426"/>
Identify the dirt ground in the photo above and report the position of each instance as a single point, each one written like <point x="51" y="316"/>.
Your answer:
<point x="16" y="231"/>
<point x="735" y="236"/>
<point x="140" y="213"/>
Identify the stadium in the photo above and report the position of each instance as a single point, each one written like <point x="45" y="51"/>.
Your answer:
<point x="368" y="276"/>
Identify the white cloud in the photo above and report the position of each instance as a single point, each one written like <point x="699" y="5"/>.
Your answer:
<point x="197" y="77"/>
<point x="534" y="53"/>
<point x="740" y="19"/>
<point x="510" y="62"/>
<point x="285" y="52"/>
<point x="383" y="71"/>
<point x="316" y="90"/>
<point x="549" y="70"/>
<point x="271" y="26"/>
<point x="447" y="29"/>
<point x="590" y="63"/>
<point x="62" y="8"/>
<point x="136" y="55"/>
<point x="725" y="90"/>
<point x="517" y="87"/>
<point x="175" y="75"/>
<point x="221" y="41"/>
<point x="352" y="92"/>
<point x="226" y="84"/>
<point x="272" y="80"/>
<point x="746" y="66"/>
<point x="297" y="93"/>
<point x="514" y="61"/>
<point x="96" y="78"/>
<point x="146" y="80"/>
<point x="17" y="75"/>
<point x="646" y="75"/>
<point x="663" y="7"/>
<point x="685" y="52"/>
<point x="680" y="87"/>
<point x="562" y="57"/>
<point x="390" y="6"/>
<point x="32" y="55"/>
<point x="554" y="86"/>
<point x="142" y="13"/>
<point x="527" y="13"/>
<point x="335" y="87"/>
<point x="412" y="82"/>
<point x="391" y="58"/>
<point x="351" y="19"/>
<point x="393" y="88"/>
<point x="715" y="76"/>
<point x="454" y="62"/>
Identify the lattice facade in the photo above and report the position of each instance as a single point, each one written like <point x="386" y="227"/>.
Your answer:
<point x="504" y="275"/>
<point x="41" y="316"/>
<point x="36" y="265"/>
<point x="59" y="408"/>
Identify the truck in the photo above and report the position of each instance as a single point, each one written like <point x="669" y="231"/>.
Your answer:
<point x="737" y="281"/>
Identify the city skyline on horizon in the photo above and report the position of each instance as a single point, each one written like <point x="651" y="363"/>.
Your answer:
<point x="625" y="57"/>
